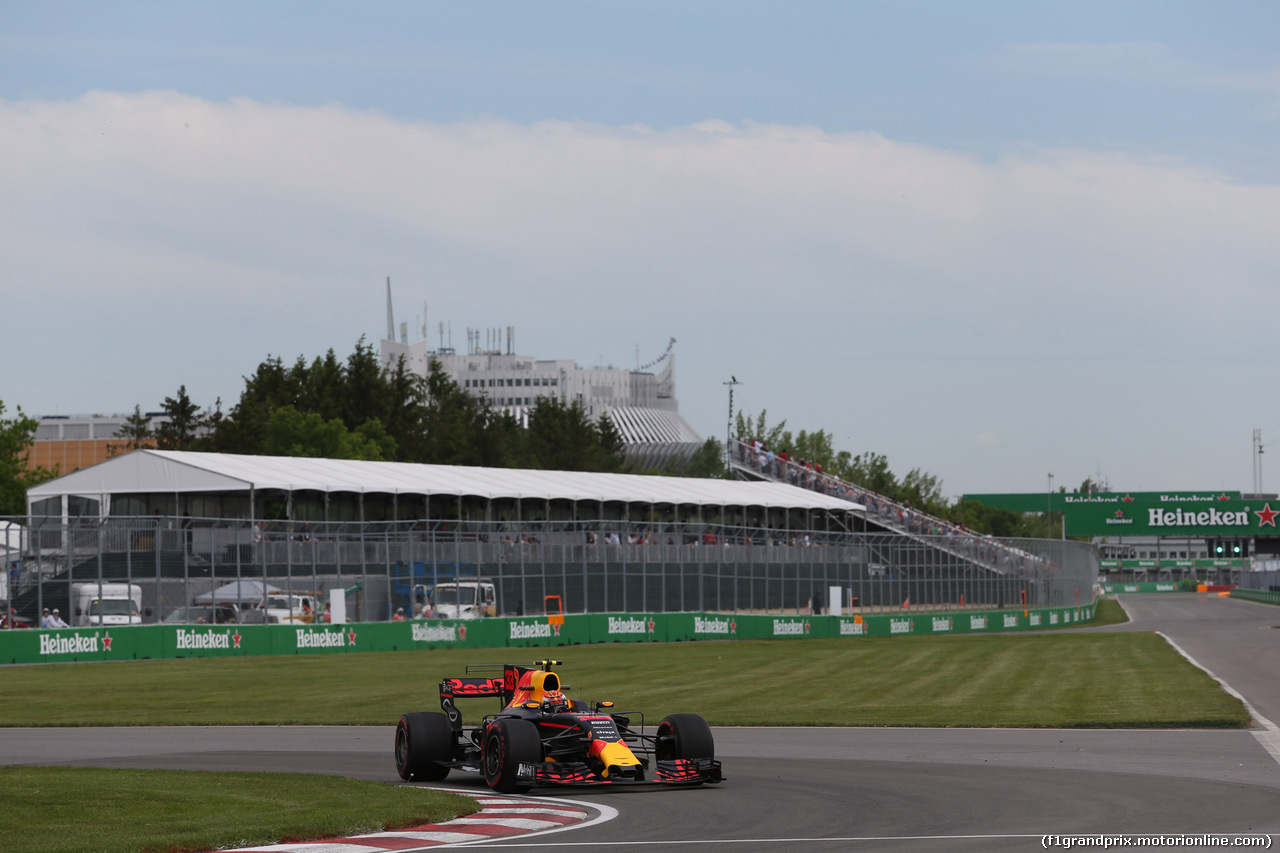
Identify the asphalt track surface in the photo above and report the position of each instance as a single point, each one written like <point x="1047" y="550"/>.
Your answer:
<point x="853" y="789"/>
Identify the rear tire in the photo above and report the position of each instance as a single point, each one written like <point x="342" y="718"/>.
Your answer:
<point x="424" y="746"/>
<point x="508" y="743"/>
<point x="685" y="736"/>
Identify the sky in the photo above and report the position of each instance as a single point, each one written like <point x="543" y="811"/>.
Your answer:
<point x="994" y="241"/>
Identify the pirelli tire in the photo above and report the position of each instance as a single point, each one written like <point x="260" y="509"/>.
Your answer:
<point x="685" y="736"/>
<point x="424" y="746"/>
<point x="508" y="743"/>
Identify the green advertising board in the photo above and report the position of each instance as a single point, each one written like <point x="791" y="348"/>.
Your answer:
<point x="1213" y="563"/>
<point x="159" y="642"/>
<point x="1222" y="513"/>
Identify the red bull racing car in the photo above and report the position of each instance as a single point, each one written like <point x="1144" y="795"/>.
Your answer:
<point x="541" y="737"/>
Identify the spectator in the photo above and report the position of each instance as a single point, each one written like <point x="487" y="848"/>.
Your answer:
<point x="46" y="619"/>
<point x="55" y="621"/>
<point x="398" y="616"/>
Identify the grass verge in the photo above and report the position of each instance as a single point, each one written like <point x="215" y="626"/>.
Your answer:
<point x="1108" y="612"/>
<point x="1043" y="680"/>
<point x="48" y="809"/>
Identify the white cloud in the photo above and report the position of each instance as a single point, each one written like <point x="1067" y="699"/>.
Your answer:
<point x="169" y="238"/>
<point x="987" y="439"/>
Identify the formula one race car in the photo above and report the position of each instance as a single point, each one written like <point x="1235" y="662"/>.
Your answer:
<point x="541" y="737"/>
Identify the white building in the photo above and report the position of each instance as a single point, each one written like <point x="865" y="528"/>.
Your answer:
<point x="641" y="403"/>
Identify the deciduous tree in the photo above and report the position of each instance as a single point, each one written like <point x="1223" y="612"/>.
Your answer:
<point x="16" y="437"/>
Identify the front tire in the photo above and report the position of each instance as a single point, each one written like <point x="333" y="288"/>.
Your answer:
<point x="685" y="736"/>
<point x="424" y="746"/>
<point x="508" y="743"/>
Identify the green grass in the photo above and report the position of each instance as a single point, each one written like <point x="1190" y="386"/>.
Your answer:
<point x="47" y="809"/>
<point x="1042" y="680"/>
<point x="1109" y="612"/>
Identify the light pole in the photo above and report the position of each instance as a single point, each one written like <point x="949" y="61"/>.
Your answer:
<point x="1048" y="508"/>
<point x="728" y="434"/>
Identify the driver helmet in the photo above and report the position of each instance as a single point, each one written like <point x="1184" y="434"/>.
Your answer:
<point x="554" y="702"/>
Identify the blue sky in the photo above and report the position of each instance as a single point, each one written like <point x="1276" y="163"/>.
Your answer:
<point x="989" y="240"/>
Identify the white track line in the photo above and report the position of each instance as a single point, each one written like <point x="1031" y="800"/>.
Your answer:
<point x="1269" y="737"/>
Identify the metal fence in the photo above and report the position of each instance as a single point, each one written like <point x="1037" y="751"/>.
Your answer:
<point x="1265" y="581"/>
<point x="593" y="567"/>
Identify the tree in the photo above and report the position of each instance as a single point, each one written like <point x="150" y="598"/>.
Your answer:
<point x="184" y="425"/>
<point x="871" y="471"/>
<point x="291" y="433"/>
<point x="136" y="433"/>
<point x="16" y="475"/>
<point x="981" y="518"/>
<point x="707" y="462"/>
<point x="562" y="437"/>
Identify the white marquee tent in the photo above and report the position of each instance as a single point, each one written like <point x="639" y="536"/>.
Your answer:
<point x="185" y="472"/>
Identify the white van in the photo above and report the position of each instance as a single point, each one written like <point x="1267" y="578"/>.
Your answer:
<point x="94" y="604"/>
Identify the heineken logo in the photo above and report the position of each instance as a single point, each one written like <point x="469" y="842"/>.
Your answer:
<point x="852" y="629"/>
<point x="630" y="626"/>
<point x="429" y="633"/>
<point x="979" y="623"/>
<point x="73" y="644"/>
<point x="1161" y="517"/>
<point x="324" y="639"/>
<point x="789" y="628"/>
<point x="194" y="639"/>
<point x="529" y="630"/>
<point x="900" y="626"/>
<point x="713" y="626"/>
<point x="1010" y="621"/>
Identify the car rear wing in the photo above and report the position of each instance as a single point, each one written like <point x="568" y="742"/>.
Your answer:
<point x="467" y="688"/>
<point x="472" y="687"/>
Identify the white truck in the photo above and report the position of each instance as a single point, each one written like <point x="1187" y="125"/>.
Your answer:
<point x="459" y="599"/>
<point x="281" y="608"/>
<point x="94" y="604"/>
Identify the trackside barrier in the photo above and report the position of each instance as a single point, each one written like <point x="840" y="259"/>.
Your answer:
<point x="1145" y="586"/>
<point x="1259" y="595"/>
<point x="157" y="642"/>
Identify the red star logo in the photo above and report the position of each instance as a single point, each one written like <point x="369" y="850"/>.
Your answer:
<point x="235" y="638"/>
<point x="1224" y="497"/>
<point x="1119" y="513"/>
<point x="806" y="626"/>
<point x="351" y="637"/>
<point x="651" y="624"/>
<point x="1267" y="515"/>
<point x="1127" y="499"/>
<point x="462" y="632"/>
<point x="556" y="628"/>
<point x="106" y="641"/>
<point x="733" y="627"/>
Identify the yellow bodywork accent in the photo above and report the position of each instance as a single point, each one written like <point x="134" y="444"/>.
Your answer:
<point x="616" y="755"/>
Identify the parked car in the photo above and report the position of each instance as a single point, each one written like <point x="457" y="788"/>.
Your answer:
<point x="205" y="614"/>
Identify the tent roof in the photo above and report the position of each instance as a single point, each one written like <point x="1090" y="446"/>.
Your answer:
<point x="174" y="471"/>
<point x="241" y="590"/>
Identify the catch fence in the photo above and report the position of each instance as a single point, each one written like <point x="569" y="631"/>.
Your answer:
<point x="592" y="567"/>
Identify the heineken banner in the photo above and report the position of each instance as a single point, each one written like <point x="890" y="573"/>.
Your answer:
<point x="157" y="642"/>
<point x="1149" y="513"/>
<point x="1145" y="586"/>
<point x="1228" y="563"/>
